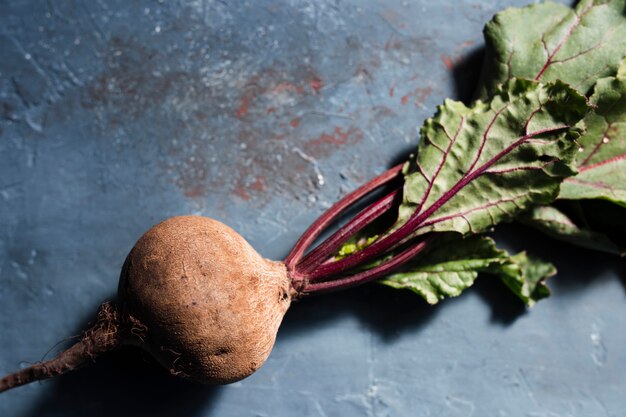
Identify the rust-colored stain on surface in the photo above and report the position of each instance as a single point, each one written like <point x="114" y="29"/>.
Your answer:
<point x="450" y="61"/>
<point x="261" y="110"/>
<point x="316" y="84"/>
<point x="418" y="96"/>
<point x="258" y="184"/>
<point x="244" y="104"/>
<point x="273" y="89"/>
<point x="241" y="192"/>
<point x="324" y="145"/>
<point x="392" y="43"/>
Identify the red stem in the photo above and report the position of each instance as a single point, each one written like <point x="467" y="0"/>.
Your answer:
<point x="332" y="213"/>
<point x="334" y="242"/>
<point x="370" y="274"/>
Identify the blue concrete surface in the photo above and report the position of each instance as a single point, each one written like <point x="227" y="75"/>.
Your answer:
<point x="115" y="115"/>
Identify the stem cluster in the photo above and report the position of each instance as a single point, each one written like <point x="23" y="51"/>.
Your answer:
<point x="318" y="270"/>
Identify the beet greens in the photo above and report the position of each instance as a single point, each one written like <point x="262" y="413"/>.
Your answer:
<point x="549" y="126"/>
<point x="583" y="47"/>
<point x="475" y="167"/>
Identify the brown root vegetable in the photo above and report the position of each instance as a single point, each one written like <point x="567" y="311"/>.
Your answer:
<point x="206" y="305"/>
<point x="196" y="296"/>
<point x="212" y="305"/>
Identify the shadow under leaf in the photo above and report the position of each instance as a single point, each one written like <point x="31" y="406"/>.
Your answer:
<point x="466" y="74"/>
<point x="384" y="311"/>
<point x="506" y="308"/>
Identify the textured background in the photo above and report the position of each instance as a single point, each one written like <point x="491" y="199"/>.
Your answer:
<point x="115" y="115"/>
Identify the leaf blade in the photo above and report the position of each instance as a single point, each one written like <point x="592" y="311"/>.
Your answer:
<point x="525" y="276"/>
<point x="600" y="74"/>
<point x="577" y="46"/>
<point x="602" y="158"/>
<point x="478" y="166"/>
<point x="442" y="273"/>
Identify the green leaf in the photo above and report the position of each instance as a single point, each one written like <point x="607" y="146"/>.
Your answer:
<point x="549" y="41"/>
<point x="355" y="244"/>
<point x="481" y="165"/>
<point x="580" y="47"/>
<point x="589" y="43"/>
<point x="621" y="71"/>
<point x="525" y="276"/>
<point x="601" y="161"/>
<point x="575" y="229"/>
<point x="443" y="272"/>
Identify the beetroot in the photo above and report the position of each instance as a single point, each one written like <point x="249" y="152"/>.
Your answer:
<point x="202" y="301"/>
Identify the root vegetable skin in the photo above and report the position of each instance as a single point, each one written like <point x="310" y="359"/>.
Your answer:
<point x="211" y="304"/>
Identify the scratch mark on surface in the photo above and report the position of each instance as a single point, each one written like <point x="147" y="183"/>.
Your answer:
<point x="318" y="173"/>
<point x="458" y="403"/>
<point x="17" y="90"/>
<point x="598" y="352"/>
<point x="529" y="390"/>
<point x="319" y="408"/>
<point x="329" y="114"/>
<point x="33" y="62"/>
<point x="389" y="24"/>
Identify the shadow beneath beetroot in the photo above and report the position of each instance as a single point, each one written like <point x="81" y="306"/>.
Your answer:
<point x="123" y="383"/>
<point x="622" y="274"/>
<point x="129" y="383"/>
<point x="389" y="312"/>
<point x="385" y="311"/>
